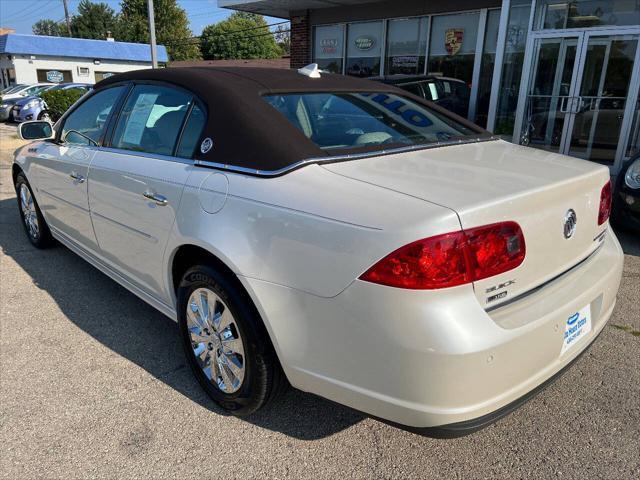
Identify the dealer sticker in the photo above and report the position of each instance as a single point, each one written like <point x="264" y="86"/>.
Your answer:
<point x="578" y="325"/>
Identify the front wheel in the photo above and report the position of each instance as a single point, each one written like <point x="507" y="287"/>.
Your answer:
<point x="32" y="220"/>
<point x="226" y="344"/>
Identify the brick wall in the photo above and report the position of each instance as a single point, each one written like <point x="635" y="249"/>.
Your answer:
<point x="300" y="40"/>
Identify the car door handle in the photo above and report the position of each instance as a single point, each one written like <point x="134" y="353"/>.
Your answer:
<point x="76" y="177"/>
<point x="160" y="200"/>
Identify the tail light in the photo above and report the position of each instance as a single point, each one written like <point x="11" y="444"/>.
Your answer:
<point x="451" y="259"/>
<point x="605" y="203"/>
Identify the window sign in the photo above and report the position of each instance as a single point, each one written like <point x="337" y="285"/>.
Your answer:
<point x="328" y="47"/>
<point x="406" y="46"/>
<point x="364" y="47"/>
<point x="453" y="45"/>
<point x="55" y="76"/>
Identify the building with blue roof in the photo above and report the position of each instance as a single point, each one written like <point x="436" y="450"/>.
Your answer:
<point x="38" y="58"/>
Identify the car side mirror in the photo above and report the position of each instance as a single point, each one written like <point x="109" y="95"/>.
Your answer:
<point x="35" y="130"/>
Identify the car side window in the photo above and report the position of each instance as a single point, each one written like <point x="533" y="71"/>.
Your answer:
<point x="191" y="134"/>
<point x="414" y="88"/>
<point x="151" y="119"/>
<point x="85" y="124"/>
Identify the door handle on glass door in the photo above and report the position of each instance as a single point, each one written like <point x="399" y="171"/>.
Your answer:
<point x="76" y="177"/>
<point x="160" y="200"/>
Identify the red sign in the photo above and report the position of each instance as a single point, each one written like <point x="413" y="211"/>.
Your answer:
<point x="453" y="40"/>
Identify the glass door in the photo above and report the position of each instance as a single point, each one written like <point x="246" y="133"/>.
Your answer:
<point x="599" y="109"/>
<point x="576" y="98"/>
<point x="550" y="95"/>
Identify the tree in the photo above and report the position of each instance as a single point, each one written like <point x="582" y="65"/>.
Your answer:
<point x="283" y="38"/>
<point x="49" y="27"/>
<point x="93" y="20"/>
<point x="172" y="27"/>
<point x="242" y="35"/>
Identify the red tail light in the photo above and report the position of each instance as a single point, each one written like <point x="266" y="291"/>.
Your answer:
<point x="451" y="259"/>
<point x="605" y="203"/>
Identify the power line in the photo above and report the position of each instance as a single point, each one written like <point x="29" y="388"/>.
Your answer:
<point x="23" y="14"/>
<point x="198" y="40"/>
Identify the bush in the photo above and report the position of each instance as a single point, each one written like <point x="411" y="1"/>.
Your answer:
<point x="59" y="101"/>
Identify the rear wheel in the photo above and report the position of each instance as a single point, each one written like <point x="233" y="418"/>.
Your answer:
<point x="226" y="344"/>
<point x="32" y="220"/>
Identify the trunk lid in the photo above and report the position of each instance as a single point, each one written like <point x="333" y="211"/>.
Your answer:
<point x="496" y="181"/>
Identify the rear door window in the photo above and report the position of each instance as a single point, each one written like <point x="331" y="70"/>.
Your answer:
<point x="151" y="119"/>
<point x="191" y="134"/>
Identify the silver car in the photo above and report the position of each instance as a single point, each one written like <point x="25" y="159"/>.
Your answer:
<point x="331" y="233"/>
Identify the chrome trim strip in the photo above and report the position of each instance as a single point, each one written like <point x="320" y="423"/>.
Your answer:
<point x="545" y="284"/>
<point x="126" y="228"/>
<point x="66" y="202"/>
<point x="338" y="158"/>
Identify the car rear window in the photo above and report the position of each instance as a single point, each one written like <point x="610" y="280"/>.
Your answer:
<point x="344" y="121"/>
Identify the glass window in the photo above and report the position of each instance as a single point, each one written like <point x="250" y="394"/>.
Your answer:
<point x="365" y="120"/>
<point x="86" y="123"/>
<point x="558" y="14"/>
<point x="406" y="46"/>
<point x="364" y="48"/>
<point x="633" y="147"/>
<point x="453" y="45"/>
<point x="329" y="47"/>
<point x="191" y="133"/>
<point x="486" y="67"/>
<point x="151" y="119"/>
<point x="516" y="41"/>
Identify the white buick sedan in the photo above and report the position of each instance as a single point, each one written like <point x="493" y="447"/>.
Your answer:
<point x="336" y="234"/>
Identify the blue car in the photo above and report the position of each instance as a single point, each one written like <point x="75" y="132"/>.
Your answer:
<point x="35" y="108"/>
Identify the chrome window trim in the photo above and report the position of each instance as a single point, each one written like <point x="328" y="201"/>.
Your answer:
<point x="155" y="156"/>
<point x="338" y="158"/>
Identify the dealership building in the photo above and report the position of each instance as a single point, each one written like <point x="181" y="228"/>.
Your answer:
<point x="38" y="58"/>
<point x="558" y="75"/>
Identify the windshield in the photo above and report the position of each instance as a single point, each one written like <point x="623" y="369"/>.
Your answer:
<point x="13" y="89"/>
<point x="343" y="121"/>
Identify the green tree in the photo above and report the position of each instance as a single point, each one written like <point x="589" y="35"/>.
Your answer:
<point x="93" y="20"/>
<point x="172" y="27"/>
<point x="242" y="35"/>
<point x="49" y="27"/>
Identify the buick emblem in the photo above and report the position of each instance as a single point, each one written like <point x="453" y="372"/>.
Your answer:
<point x="206" y="145"/>
<point x="570" y="221"/>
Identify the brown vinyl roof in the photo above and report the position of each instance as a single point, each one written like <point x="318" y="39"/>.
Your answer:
<point x="246" y="131"/>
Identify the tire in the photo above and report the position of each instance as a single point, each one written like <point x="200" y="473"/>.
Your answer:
<point x="253" y="376"/>
<point x="33" y="222"/>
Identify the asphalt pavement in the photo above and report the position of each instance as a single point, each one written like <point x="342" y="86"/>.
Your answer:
<point x="93" y="384"/>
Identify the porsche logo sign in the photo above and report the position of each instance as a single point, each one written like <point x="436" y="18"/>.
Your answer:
<point x="453" y="40"/>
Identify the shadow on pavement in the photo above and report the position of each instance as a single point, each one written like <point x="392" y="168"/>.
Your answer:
<point x="139" y="333"/>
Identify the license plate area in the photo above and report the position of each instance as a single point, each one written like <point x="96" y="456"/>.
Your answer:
<point x="576" y="327"/>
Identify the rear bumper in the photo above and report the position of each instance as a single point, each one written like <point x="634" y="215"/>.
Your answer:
<point x="430" y="359"/>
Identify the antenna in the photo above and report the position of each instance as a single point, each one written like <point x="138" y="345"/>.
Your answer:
<point x="311" y="71"/>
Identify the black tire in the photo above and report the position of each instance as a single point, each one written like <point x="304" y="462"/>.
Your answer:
<point x="42" y="238"/>
<point x="263" y="376"/>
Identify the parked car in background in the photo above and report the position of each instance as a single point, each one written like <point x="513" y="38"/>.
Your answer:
<point x="5" y="108"/>
<point x="626" y="200"/>
<point x="367" y="245"/>
<point x="449" y="93"/>
<point x="27" y="90"/>
<point x="35" y="108"/>
<point x="12" y="88"/>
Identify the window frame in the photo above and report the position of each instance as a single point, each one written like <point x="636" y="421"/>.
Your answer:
<point x="114" y="115"/>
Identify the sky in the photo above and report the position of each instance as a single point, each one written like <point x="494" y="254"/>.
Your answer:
<point x="22" y="14"/>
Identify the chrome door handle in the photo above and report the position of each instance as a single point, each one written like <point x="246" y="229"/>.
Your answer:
<point x="76" y="177"/>
<point x="160" y="200"/>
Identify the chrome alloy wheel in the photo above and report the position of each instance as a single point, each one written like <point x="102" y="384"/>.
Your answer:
<point x="29" y="214"/>
<point x="215" y="340"/>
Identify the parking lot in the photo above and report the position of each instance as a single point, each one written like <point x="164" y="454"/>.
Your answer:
<point x="94" y="384"/>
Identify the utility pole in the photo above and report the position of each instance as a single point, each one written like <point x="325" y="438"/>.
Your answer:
<point x="152" y="34"/>
<point x="66" y="16"/>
